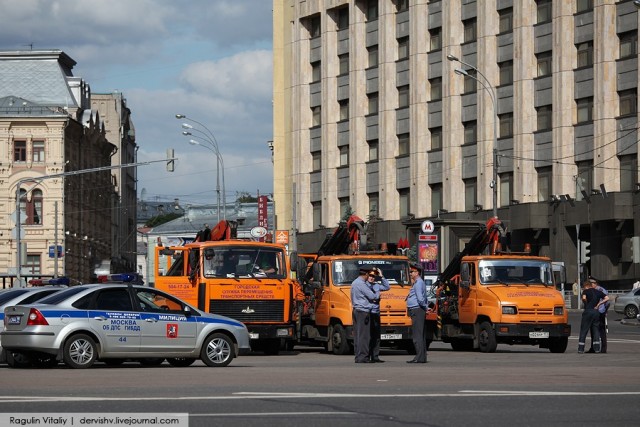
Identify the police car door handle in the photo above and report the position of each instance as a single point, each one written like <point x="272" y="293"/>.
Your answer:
<point x="150" y="320"/>
<point x="100" y="318"/>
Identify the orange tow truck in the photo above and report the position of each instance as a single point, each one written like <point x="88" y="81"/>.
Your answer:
<point x="245" y="280"/>
<point x="487" y="297"/>
<point x="326" y="278"/>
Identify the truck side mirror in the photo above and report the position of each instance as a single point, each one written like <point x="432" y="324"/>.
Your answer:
<point x="317" y="273"/>
<point x="465" y="281"/>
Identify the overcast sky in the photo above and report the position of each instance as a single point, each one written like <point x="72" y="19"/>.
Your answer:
<point x="208" y="59"/>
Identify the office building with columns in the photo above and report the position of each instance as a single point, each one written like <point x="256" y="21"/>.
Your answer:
<point x="453" y="111"/>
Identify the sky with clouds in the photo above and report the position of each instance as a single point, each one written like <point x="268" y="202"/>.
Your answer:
<point x="210" y="60"/>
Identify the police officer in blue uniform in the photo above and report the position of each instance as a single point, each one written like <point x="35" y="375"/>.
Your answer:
<point x="363" y="298"/>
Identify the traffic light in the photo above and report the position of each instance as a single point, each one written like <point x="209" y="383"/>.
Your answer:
<point x="170" y="161"/>
<point x="585" y="251"/>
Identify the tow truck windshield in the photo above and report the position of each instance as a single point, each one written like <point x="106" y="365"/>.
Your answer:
<point x="346" y="271"/>
<point x="512" y="272"/>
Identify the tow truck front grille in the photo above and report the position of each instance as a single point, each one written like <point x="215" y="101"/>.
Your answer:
<point x="249" y="311"/>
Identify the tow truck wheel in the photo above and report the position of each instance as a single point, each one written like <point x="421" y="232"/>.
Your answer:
<point x="558" y="345"/>
<point x="339" y="340"/>
<point x="487" y="338"/>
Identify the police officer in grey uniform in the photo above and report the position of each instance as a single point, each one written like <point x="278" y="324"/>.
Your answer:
<point x="363" y="298"/>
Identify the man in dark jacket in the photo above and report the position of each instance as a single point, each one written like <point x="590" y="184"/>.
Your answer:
<point x="592" y="299"/>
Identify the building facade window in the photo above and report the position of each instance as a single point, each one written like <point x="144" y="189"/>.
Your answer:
<point x="585" y="110"/>
<point x="403" y="144"/>
<point x="371" y="13"/>
<point x="470" y="30"/>
<point x="435" y="86"/>
<point x="402" y="5"/>
<point x="543" y="8"/>
<point x="628" y="172"/>
<point x="343" y="61"/>
<point x="585" y="54"/>
<point x="403" y="48"/>
<point x="404" y="201"/>
<point x="470" y="199"/>
<point x="506" y="125"/>
<point x="403" y="96"/>
<point x="628" y="44"/>
<point x="544" y="183"/>
<point x="344" y="109"/>
<point x="344" y="156"/>
<point x="19" y="151"/>
<point x="470" y="132"/>
<point x="316" y="116"/>
<point x="374" y="205"/>
<point x="345" y="207"/>
<point x="505" y="23"/>
<point x="31" y="207"/>
<point x="373" y="103"/>
<point x="373" y="150"/>
<point x="628" y="102"/>
<point x="314" y="26"/>
<point x="544" y="118"/>
<point x="506" y="72"/>
<point x="584" y="180"/>
<point x="37" y="151"/>
<point x="316" y="72"/>
<point x="584" y="5"/>
<point x="342" y="18"/>
<point x="544" y="60"/>
<point x="436" y="138"/>
<point x="317" y="214"/>
<point x="435" y="38"/>
<point x="436" y="198"/>
<point x="33" y="264"/>
<point x="372" y="56"/>
<point x="470" y="82"/>
<point x="316" y="161"/>
<point x="506" y="188"/>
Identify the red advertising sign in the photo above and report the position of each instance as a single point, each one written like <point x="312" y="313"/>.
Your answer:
<point x="263" y="217"/>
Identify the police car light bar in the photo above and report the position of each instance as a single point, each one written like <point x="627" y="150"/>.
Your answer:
<point x="120" y="277"/>
<point x="56" y="281"/>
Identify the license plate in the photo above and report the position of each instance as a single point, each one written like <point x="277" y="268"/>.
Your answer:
<point x="391" y="336"/>
<point x="14" y="320"/>
<point x="538" y="334"/>
<point x="254" y="336"/>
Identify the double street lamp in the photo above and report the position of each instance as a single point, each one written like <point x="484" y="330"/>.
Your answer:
<point x="489" y="88"/>
<point x="208" y="141"/>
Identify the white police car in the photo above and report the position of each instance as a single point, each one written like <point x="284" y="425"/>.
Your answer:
<point x="117" y="321"/>
<point x="39" y="290"/>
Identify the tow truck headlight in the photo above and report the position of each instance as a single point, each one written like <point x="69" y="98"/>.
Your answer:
<point x="509" y="309"/>
<point x="284" y="332"/>
<point x="558" y="311"/>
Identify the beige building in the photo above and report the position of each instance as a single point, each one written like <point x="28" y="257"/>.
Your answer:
<point x="449" y="111"/>
<point x="47" y="128"/>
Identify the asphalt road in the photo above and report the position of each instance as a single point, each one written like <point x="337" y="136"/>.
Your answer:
<point x="517" y="385"/>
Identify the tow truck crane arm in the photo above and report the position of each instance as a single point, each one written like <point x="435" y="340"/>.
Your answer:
<point x="347" y="233"/>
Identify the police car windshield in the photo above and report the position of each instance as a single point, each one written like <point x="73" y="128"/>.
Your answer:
<point x="346" y="271"/>
<point x="60" y="296"/>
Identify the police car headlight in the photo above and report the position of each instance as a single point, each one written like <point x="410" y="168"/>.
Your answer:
<point x="558" y="311"/>
<point x="509" y="309"/>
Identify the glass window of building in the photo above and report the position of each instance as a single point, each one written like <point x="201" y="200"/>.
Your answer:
<point x="403" y="144"/>
<point x="435" y="86"/>
<point x="316" y="72"/>
<point x="403" y="48"/>
<point x="316" y="116"/>
<point x="343" y="60"/>
<point x="373" y="103"/>
<point x="628" y="44"/>
<point x="544" y="183"/>
<point x="470" y="200"/>
<point x="470" y="30"/>
<point x="584" y="5"/>
<point x="345" y="207"/>
<point x="543" y="8"/>
<point x="32" y="264"/>
<point x="31" y="207"/>
<point x="314" y="26"/>
<point x="470" y="82"/>
<point x="374" y="205"/>
<point x="317" y="214"/>
<point x="373" y="150"/>
<point x="371" y="13"/>
<point x="470" y="132"/>
<point x="585" y="109"/>
<point x="344" y="109"/>
<point x="628" y="102"/>
<point x="436" y="138"/>
<point x="344" y="155"/>
<point x="506" y="125"/>
<point x="342" y="18"/>
<point x="506" y="72"/>
<point x="404" y="201"/>
<point x="585" y="54"/>
<point x="584" y="180"/>
<point x="506" y="189"/>
<point x="628" y="172"/>
<point x="402" y="5"/>
<point x="403" y="96"/>
<point x="435" y="38"/>
<point x="544" y="116"/>
<point x="316" y="161"/>
<point x="19" y="151"/>
<point x="505" y="23"/>
<point x="436" y="198"/>
<point x="544" y="63"/>
<point x="372" y="56"/>
<point x="37" y="149"/>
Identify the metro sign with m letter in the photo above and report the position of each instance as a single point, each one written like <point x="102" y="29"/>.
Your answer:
<point x="427" y="227"/>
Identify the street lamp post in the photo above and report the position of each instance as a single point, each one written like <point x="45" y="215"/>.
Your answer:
<point x="212" y="145"/>
<point x="489" y="88"/>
